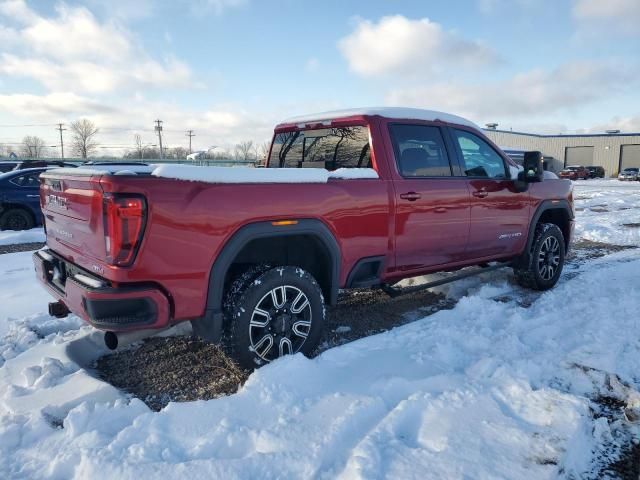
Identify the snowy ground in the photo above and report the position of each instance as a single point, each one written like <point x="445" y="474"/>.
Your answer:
<point x="493" y="388"/>
<point x="10" y="237"/>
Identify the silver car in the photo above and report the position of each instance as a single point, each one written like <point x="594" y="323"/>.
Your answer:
<point x="629" y="174"/>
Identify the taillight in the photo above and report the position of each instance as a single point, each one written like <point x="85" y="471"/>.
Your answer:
<point x="124" y="219"/>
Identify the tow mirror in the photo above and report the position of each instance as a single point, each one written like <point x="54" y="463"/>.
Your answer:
<point x="533" y="167"/>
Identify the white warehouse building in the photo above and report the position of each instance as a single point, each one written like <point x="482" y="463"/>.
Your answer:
<point x="614" y="151"/>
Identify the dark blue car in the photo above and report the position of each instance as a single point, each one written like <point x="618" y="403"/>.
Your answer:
<point x="20" y="199"/>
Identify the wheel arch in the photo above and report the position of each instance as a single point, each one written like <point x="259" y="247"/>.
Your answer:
<point x="557" y="212"/>
<point x="268" y="232"/>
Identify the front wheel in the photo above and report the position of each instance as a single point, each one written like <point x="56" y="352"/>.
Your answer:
<point x="280" y="312"/>
<point x="546" y="259"/>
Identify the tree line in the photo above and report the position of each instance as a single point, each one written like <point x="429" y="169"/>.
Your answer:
<point x="84" y="144"/>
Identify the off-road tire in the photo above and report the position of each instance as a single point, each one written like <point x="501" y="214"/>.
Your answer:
<point x="16" y="219"/>
<point x="543" y="268"/>
<point x="263" y="327"/>
<point x="201" y="326"/>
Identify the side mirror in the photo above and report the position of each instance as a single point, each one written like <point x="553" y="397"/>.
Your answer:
<point x="533" y="167"/>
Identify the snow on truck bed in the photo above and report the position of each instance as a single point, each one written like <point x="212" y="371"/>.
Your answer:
<point x="228" y="174"/>
<point x="488" y="389"/>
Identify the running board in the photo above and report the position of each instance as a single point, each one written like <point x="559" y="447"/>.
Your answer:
<point x="396" y="292"/>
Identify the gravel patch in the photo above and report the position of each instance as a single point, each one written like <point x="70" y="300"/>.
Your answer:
<point x="21" y="247"/>
<point x="160" y="370"/>
<point x="172" y="369"/>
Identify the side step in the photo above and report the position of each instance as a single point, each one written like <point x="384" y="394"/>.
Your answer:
<point x="398" y="291"/>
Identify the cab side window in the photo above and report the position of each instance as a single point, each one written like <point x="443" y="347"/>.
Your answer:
<point x="420" y="151"/>
<point x="480" y="159"/>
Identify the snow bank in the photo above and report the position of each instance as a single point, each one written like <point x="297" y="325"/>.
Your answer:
<point x="10" y="237"/>
<point x="259" y="175"/>
<point x="486" y="390"/>
<point x="608" y="211"/>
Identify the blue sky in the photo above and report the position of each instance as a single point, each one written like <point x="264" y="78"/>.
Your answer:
<point x="230" y="69"/>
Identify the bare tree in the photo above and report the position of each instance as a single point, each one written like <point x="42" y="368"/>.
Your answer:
<point x="244" y="150"/>
<point x="262" y="152"/>
<point x="83" y="143"/>
<point x="139" y="149"/>
<point x="32" y="146"/>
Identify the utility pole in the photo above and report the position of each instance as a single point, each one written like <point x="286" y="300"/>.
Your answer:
<point x="158" y="129"/>
<point x="190" y="134"/>
<point x="61" y="142"/>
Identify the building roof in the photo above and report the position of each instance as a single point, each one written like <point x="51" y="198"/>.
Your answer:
<point x="386" y="112"/>
<point x="568" y="135"/>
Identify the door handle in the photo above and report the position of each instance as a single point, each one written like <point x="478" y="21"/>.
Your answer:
<point x="411" y="196"/>
<point x="33" y="196"/>
<point x="480" y="193"/>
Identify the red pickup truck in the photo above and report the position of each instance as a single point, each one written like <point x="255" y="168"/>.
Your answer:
<point x="351" y="199"/>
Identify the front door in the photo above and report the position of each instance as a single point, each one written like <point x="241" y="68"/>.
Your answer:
<point x="431" y="205"/>
<point x="499" y="214"/>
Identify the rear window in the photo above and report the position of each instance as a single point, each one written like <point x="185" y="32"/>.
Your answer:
<point x="330" y="148"/>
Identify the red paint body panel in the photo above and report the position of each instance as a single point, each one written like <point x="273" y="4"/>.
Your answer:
<point x="188" y="223"/>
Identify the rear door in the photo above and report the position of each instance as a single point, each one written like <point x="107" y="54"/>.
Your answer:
<point x="26" y="191"/>
<point x="499" y="214"/>
<point x="431" y="204"/>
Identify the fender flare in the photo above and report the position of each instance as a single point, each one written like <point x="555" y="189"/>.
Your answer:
<point x="213" y="317"/>
<point x="544" y="206"/>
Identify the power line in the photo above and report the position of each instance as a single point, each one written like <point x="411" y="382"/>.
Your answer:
<point x="61" y="142"/>
<point x="190" y="134"/>
<point x="158" y="128"/>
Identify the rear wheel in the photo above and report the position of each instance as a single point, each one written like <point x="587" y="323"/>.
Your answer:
<point x="16" y="219"/>
<point x="280" y="312"/>
<point x="546" y="259"/>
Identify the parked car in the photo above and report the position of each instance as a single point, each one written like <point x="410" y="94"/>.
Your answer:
<point x="575" y="172"/>
<point x="596" y="172"/>
<point x="20" y="199"/>
<point x="24" y="164"/>
<point x="630" y="173"/>
<point x="354" y="199"/>
<point x="101" y="162"/>
<point x="7" y="166"/>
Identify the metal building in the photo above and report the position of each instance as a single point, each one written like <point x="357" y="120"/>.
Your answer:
<point x="614" y="151"/>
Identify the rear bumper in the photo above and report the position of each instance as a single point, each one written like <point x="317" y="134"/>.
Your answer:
<point x="96" y="301"/>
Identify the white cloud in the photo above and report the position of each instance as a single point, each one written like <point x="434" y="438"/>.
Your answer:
<point x="17" y="11"/>
<point x="217" y="6"/>
<point x="312" y="65"/>
<point x="612" y="16"/>
<point x="491" y="6"/>
<point x="537" y="92"/>
<point x="399" y="45"/>
<point x="50" y="106"/>
<point x="74" y="51"/>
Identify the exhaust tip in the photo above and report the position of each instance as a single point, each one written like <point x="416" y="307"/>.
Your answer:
<point x="111" y="340"/>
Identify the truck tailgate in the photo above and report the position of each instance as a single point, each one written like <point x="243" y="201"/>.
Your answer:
<point x="72" y="208"/>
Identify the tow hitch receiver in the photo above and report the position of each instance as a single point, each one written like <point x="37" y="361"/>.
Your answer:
<point x="58" y="309"/>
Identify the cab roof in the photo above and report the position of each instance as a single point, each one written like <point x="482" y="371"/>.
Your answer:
<point x="396" y="113"/>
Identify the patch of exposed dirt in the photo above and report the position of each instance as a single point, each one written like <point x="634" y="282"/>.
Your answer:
<point x="164" y="369"/>
<point x="160" y="370"/>
<point x="20" y="247"/>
